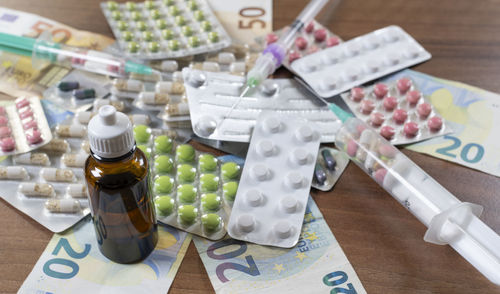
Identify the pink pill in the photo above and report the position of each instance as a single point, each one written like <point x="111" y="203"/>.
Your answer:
<point x="367" y="106"/>
<point x="332" y="41"/>
<point x="34" y="137"/>
<point x="387" y="150"/>
<point x="435" y="123"/>
<point x="379" y="175"/>
<point x="357" y="94"/>
<point x="7" y="144"/>
<point x="293" y="55"/>
<point x="320" y="35"/>
<point x="377" y="119"/>
<point x="400" y="115"/>
<point x="271" y="38"/>
<point x="5" y="132"/>
<point x="312" y="49"/>
<point x="113" y="68"/>
<point x="352" y="148"/>
<point x="30" y="125"/>
<point x="390" y="103"/>
<point x="301" y="43"/>
<point x="360" y="128"/>
<point x="309" y="27"/>
<point x="387" y="132"/>
<point x="410" y="129"/>
<point x="424" y="110"/>
<point x="380" y="90"/>
<point x="403" y="85"/>
<point x="25" y="114"/>
<point x="3" y="121"/>
<point x="22" y="102"/>
<point x="2" y="110"/>
<point x="413" y="96"/>
<point x="77" y="61"/>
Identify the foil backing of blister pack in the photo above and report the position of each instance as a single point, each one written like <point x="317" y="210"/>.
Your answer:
<point x="330" y="164"/>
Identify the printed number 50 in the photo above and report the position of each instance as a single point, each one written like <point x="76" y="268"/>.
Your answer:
<point x="338" y="278"/>
<point x="465" y="153"/>
<point x="251" y="12"/>
<point x="63" y="243"/>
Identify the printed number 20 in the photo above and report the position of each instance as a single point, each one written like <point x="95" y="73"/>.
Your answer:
<point x="63" y="243"/>
<point x="338" y="278"/>
<point x="464" y="154"/>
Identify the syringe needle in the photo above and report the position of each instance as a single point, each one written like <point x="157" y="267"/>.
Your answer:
<point x="235" y="104"/>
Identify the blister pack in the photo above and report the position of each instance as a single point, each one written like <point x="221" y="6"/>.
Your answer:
<point x="212" y="95"/>
<point x="23" y="126"/>
<point x="397" y="110"/>
<point x="165" y="29"/>
<point x="360" y="60"/>
<point x="275" y="182"/>
<point x="330" y="164"/>
<point x="192" y="191"/>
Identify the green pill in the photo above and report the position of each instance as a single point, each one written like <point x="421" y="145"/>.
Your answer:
<point x="229" y="190"/>
<point x="187" y="214"/>
<point x="173" y="10"/>
<point x="163" y="185"/>
<point x="130" y="6"/>
<point x="206" y="26"/>
<point x="230" y="171"/>
<point x="194" y="41"/>
<point x="155" y="14"/>
<point x="186" y="194"/>
<point x="164" y="205"/>
<point x="180" y="20"/>
<point x="133" y="47"/>
<point x="211" y="222"/>
<point x="163" y="144"/>
<point x="141" y="26"/>
<point x="168" y="35"/>
<point x="186" y="173"/>
<point x="149" y="4"/>
<point x="213" y="37"/>
<point x="187" y="30"/>
<point x="173" y="45"/>
<point x="192" y="5"/>
<point x="207" y="162"/>
<point x="168" y="2"/>
<point x="198" y="15"/>
<point x="210" y="202"/>
<point x="161" y="24"/>
<point x="112" y="5"/>
<point x="185" y="153"/>
<point x="148" y="36"/>
<point x="153" y="47"/>
<point x="209" y="183"/>
<point x="122" y="26"/>
<point x="145" y="149"/>
<point x="116" y="15"/>
<point x="142" y="134"/>
<point x="136" y="15"/>
<point x="163" y="164"/>
<point x="127" y="36"/>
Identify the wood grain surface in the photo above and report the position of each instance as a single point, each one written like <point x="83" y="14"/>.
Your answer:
<point x="382" y="240"/>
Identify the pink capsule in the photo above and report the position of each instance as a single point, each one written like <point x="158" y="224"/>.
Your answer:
<point x="410" y="129"/>
<point x="435" y="123"/>
<point x="2" y="110"/>
<point x="320" y="35"/>
<point x="377" y="119"/>
<point x="357" y="94"/>
<point x="32" y="124"/>
<point x="387" y="151"/>
<point x="34" y="137"/>
<point x="309" y="28"/>
<point x="271" y="38"/>
<point x="400" y="115"/>
<point x="5" y="132"/>
<point x="352" y="148"/>
<point x="7" y="144"/>
<point x="413" y="96"/>
<point x="424" y="109"/>
<point x="332" y="41"/>
<point x="3" y="121"/>
<point x="312" y="49"/>
<point x="390" y="103"/>
<point x="380" y="90"/>
<point x="379" y="175"/>
<point x="367" y="106"/>
<point x="26" y="113"/>
<point x="301" y="43"/>
<point x="293" y="55"/>
<point x="403" y="85"/>
<point x="22" y="102"/>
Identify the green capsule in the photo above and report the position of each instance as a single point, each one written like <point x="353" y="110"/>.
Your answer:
<point x="141" y="26"/>
<point x="127" y="36"/>
<point x="133" y="47"/>
<point x="154" y="47"/>
<point x="130" y="6"/>
<point x="180" y="20"/>
<point x="187" y="30"/>
<point x="167" y="34"/>
<point x="148" y="36"/>
<point x="198" y="15"/>
<point x="173" y="10"/>
<point x="213" y="37"/>
<point x="149" y="4"/>
<point x="194" y="41"/>
<point x="161" y="24"/>
<point x="116" y="15"/>
<point x="155" y="14"/>
<point x="192" y="5"/>
<point x="122" y="25"/>
<point x="206" y="26"/>
<point x="112" y="5"/>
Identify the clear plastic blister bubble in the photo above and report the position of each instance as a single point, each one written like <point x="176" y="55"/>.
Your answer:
<point x="330" y="164"/>
<point x="360" y="60"/>
<point x="275" y="182"/>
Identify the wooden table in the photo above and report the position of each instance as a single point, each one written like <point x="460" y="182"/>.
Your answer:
<point x="382" y="240"/>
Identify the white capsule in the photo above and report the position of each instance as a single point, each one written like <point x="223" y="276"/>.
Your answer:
<point x="153" y="98"/>
<point x="37" y="190"/>
<point x="57" y="174"/>
<point x="139" y="119"/>
<point x="237" y="67"/>
<point x="128" y="85"/>
<point x="74" y="159"/>
<point x="119" y="105"/>
<point x="77" y="190"/>
<point x="56" y="145"/>
<point x="74" y="131"/>
<point x="177" y="109"/>
<point x="226" y="58"/>
<point x="169" y="87"/>
<point x="13" y="173"/>
<point x="210" y="66"/>
<point x="169" y="65"/>
<point x="32" y="159"/>
<point x="84" y="117"/>
<point x="63" y="205"/>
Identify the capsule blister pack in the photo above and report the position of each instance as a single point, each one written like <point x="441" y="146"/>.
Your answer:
<point x="23" y="126"/>
<point x="165" y="29"/>
<point x="397" y="110"/>
<point x="212" y="95"/>
<point x="360" y="60"/>
<point x="192" y="191"/>
<point x="275" y="182"/>
<point x="330" y="164"/>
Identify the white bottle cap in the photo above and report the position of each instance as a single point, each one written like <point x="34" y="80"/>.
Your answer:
<point x="110" y="133"/>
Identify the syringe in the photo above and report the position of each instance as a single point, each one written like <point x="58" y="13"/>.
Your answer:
<point x="449" y="221"/>
<point x="42" y="50"/>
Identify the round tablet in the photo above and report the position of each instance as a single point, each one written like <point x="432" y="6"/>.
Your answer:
<point x="145" y="149"/>
<point x="230" y="170"/>
<point x="198" y="15"/>
<point x="161" y="24"/>
<point x="186" y="193"/>
<point x="194" y="41"/>
<point x="153" y="47"/>
<point x="130" y="6"/>
<point x="163" y="164"/>
<point x="122" y="25"/>
<point x="141" y="26"/>
<point x="367" y="106"/>
<point x="211" y="222"/>
<point x="149" y="4"/>
<point x="133" y="47"/>
<point x="187" y="30"/>
<point x="116" y="15"/>
<point x="209" y="183"/>
<point x="112" y="5"/>
<point x="357" y="94"/>
<point x="210" y="202"/>
<point x="229" y="190"/>
<point x="164" y="205"/>
<point x="332" y="41"/>
<point x="173" y="10"/>
<point x="168" y="2"/>
<point x="174" y="45"/>
<point x="390" y="103"/>
<point x="142" y="134"/>
<point x="320" y="35"/>
<point x="206" y="26"/>
<point x="127" y="36"/>
<point x="403" y="85"/>
<point x="435" y="123"/>
<point x="424" y="109"/>
<point x="167" y="34"/>
<point x="387" y="132"/>
<point x="192" y="5"/>
<point x="148" y="36"/>
<point x="377" y="119"/>
<point x="180" y="20"/>
<point x="213" y="37"/>
<point x="301" y="43"/>
<point x="293" y="55"/>
<point x="163" y="144"/>
<point x="310" y="27"/>
<point x="207" y="162"/>
<point x="410" y="129"/>
<point x="379" y="175"/>
<point x="155" y="14"/>
<point x="7" y="144"/>
<point x="413" y="96"/>
<point x="163" y="185"/>
<point x="187" y="214"/>
<point x="400" y="115"/>
<point x="186" y="173"/>
<point x="185" y="153"/>
<point x="351" y="148"/>
<point x="380" y="90"/>
<point x="271" y="38"/>
<point x="136" y="15"/>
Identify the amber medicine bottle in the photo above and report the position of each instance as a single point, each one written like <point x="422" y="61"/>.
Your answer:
<point x="118" y="183"/>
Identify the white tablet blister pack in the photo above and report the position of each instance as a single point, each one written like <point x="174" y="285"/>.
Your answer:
<point x="275" y="182"/>
<point x="360" y="60"/>
<point x="211" y="97"/>
<point x="330" y="165"/>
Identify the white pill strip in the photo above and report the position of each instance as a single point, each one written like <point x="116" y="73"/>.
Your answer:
<point x="274" y="186"/>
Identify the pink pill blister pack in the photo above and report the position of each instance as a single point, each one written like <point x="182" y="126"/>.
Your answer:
<point x="23" y="126"/>
<point x="360" y="60"/>
<point x="275" y="182"/>
<point x="397" y="110"/>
